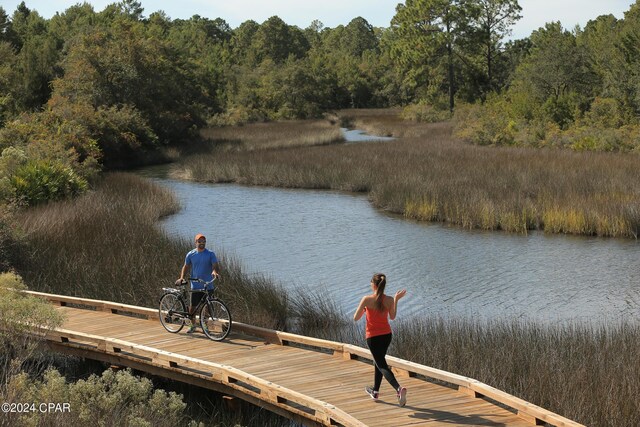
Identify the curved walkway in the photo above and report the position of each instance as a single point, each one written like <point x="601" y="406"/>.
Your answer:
<point x="313" y="381"/>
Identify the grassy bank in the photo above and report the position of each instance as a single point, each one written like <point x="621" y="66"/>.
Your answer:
<point x="107" y="245"/>
<point x="583" y="373"/>
<point x="429" y="175"/>
<point x="263" y="136"/>
<point x="586" y="374"/>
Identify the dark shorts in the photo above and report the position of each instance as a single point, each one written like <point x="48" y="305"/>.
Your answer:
<point x="196" y="297"/>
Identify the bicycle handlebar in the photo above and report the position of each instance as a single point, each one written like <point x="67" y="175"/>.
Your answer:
<point x="195" y="279"/>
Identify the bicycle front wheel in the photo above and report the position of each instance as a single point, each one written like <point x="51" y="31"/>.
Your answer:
<point x="215" y="320"/>
<point x="171" y="313"/>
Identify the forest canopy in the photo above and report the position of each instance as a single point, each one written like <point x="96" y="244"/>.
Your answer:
<point x="88" y="90"/>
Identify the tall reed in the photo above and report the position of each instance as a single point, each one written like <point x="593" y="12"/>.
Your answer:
<point x="73" y="248"/>
<point x="585" y="373"/>
<point x="284" y="134"/>
<point x="426" y="174"/>
<point x="107" y="245"/>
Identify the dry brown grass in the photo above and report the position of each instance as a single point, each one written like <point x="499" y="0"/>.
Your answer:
<point x="381" y="122"/>
<point x="107" y="245"/>
<point x="429" y="175"/>
<point x="585" y="373"/>
<point x="262" y="136"/>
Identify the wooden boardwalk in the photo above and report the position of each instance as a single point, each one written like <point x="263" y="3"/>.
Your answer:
<point x="312" y="381"/>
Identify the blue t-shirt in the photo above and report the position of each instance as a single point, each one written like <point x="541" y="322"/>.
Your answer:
<point x="201" y="266"/>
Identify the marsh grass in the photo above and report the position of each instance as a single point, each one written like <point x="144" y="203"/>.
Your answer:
<point x="283" y="134"/>
<point x="107" y="245"/>
<point x="255" y="298"/>
<point x="103" y="245"/>
<point x="585" y="373"/>
<point x="582" y="372"/>
<point x="426" y="174"/>
<point x="312" y="311"/>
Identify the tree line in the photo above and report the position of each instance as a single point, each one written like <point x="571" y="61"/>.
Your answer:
<point x="87" y="90"/>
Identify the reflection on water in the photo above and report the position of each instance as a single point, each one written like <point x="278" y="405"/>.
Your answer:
<point x="334" y="242"/>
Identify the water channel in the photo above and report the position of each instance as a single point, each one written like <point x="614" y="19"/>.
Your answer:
<point x="333" y="242"/>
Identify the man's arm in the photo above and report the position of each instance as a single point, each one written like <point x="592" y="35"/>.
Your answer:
<point x="183" y="272"/>
<point x="216" y="270"/>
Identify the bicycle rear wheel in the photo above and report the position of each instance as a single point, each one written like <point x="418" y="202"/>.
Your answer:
<point x="215" y="320"/>
<point x="170" y="313"/>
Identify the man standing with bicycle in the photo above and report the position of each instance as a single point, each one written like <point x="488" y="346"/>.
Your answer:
<point x="203" y="264"/>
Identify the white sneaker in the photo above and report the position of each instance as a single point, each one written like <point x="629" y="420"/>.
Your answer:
<point x="402" y="396"/>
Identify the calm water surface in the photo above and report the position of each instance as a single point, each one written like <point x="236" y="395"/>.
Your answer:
<point x="356" y="135"/>
<point x="334" y="242"/>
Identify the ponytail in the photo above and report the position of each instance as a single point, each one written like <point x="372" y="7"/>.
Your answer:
<point x="380" y="281"/>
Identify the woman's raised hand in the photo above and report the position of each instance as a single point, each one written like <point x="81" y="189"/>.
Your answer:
<point x="400" y="294"/>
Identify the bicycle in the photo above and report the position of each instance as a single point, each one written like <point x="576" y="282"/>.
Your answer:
<point x="215" y="317"/>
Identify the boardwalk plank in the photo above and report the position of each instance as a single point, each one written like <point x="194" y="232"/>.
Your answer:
<point x="319" y="375"/>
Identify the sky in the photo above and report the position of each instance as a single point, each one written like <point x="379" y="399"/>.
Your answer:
<point x="535" y="13"/>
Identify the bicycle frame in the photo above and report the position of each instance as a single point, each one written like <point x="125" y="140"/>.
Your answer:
<point x="208" y="297"/>
<point x="215" y="317"/>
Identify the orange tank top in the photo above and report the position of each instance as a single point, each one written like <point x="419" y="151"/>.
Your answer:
<point x="377" y="322"/>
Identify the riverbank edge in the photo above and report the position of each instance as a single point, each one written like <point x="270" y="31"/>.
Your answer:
<point x="548" y="217"/>
<point x="565" y="367"/>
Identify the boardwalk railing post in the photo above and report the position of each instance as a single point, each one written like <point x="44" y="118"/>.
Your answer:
<point x="469" y="392"/>
<point x="252" y="387"/>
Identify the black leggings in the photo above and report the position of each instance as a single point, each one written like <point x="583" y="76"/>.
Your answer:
<point x="378" y="346"/>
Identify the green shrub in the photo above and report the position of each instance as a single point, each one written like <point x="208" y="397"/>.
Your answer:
<point x="233" y="116"/>
<point x="534" y="133"/>
<point x="594" y="138"/>
<point x="18" y="313"/>
<point x="39" y="181"/>
<point x="425" y="113"/>
<point x="121" y="134"/>
<point x="604" y="113"/>
<point x="47" y="136"/>
<point x="12" y="158"/>
<point x="43" y="139"/>
<point x="16" y="133"/>
<point x="10" y="244"/>
<point x="559" y="123"/>
<point x="124" y="136"/>
<point x="115" y="398"/>
<point x="559" y="110"/>
<point x="486" y="124"/>
<point x="522" y="101"/>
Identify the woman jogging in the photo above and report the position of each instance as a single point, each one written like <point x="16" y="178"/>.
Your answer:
<point x="379" y="308"/>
